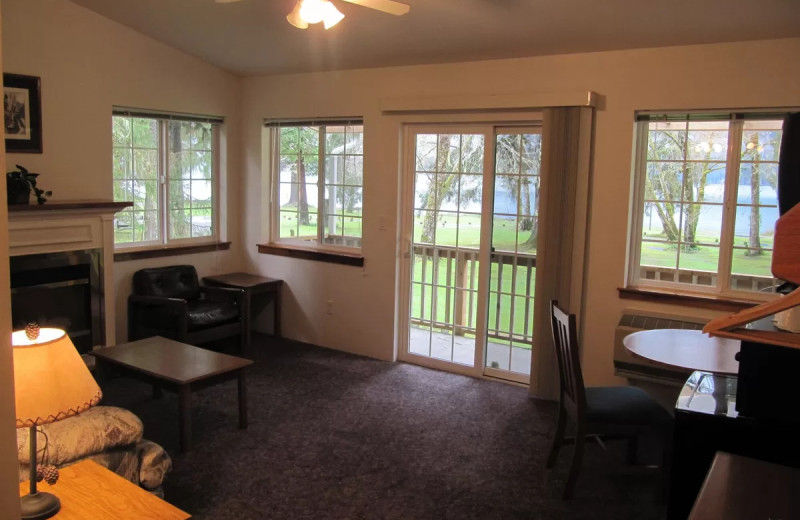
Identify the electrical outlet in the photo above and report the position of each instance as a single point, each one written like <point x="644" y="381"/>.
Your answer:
<point x="329" y="307"/>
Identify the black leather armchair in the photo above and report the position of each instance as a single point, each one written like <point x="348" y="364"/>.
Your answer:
<point x="170" y="302"/>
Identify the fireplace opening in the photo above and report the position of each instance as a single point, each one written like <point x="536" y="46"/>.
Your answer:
<point x="60" y="290"/>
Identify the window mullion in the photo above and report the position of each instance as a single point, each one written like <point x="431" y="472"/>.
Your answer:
<point x="683" y="208"/>
<point x="321" y="186"/>
<point x="274" y="197"/>
<point x="163" y="179"/>
<point x="729" y="208"/>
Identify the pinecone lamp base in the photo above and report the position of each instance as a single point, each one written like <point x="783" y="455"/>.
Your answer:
<point x="39" y="506"/>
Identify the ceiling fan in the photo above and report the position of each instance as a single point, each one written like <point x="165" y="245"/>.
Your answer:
<point x="314" y="11"/>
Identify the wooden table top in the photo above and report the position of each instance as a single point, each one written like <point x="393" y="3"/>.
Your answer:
<point x="243" y="280"/>
<point x="690" y="349"/>
<point x="90" y="491"/>
<point x="740" y="488"/>
<point x="171" y="360"/>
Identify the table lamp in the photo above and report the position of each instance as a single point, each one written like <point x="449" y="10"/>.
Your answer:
<point x="51" y="383"/>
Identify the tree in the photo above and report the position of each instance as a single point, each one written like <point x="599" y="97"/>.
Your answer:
<point x="521" y="153"/>
<point x="299" y="148"/>
<point x="179" y="169"/>
<point x="678" y="166"/>
<point x="451" y="154"/>
<point x="344" y="168"/>
<point x="445" y="156"/>
<point x="136" y="175"/>
<point x="756" y="143"/>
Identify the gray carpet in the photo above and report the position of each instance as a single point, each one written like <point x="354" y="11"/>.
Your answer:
<point x="338" y="436"/>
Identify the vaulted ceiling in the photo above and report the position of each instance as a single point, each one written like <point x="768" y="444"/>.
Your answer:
<point x="252" y="37"/>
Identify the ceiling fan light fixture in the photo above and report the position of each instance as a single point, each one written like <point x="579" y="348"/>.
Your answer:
<point x="312" y="11"/>
<point x="331" y="15"/>
<point x="307" y="12"/>
<point x="294" y="17"/>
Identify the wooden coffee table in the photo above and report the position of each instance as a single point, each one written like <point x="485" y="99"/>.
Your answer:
<point x="88" y="490"/>
<point x="179" y="368"/>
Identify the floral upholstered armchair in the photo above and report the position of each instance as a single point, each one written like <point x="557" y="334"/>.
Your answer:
<point x="110" y="436"/>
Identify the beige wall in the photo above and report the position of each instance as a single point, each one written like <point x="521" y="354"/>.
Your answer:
<point x="87" y="64"/>
<point x="755" y="74"/>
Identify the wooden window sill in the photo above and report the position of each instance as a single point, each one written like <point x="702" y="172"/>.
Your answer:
<point x="698" y="301"/>
<point x="140" y="254"/>
<point x="317" y="255"/>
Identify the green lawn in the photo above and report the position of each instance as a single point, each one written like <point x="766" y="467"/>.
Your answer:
<point x="706" y="257"/>
<point x="350" y="223"/>
<point x="464" y="230"/>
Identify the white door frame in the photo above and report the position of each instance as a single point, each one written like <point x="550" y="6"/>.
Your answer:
<point x="407" y="228"/>
<point x="489" y="130"/>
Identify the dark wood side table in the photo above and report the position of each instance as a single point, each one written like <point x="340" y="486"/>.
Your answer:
<point x="252" y="285"/>
<point x="179" y="368"/>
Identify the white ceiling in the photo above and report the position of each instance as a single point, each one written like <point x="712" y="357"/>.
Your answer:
<point x="252" y="36"/>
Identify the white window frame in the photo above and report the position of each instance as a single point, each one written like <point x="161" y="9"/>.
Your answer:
<point x="273" y="126"/>
<point x="163" y="119"/>
<point x="736" y="119"/>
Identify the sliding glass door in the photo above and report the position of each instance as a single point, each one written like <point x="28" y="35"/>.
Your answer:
<point x="514" y="238"/>
<point x="470" y="233"/>
<point x="447" y="222"/>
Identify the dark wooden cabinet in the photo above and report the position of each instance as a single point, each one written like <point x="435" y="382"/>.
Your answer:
<point x="741" y="488"/>
<point x="706" y="421"/>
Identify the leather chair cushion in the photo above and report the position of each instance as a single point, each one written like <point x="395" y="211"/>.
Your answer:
<point x="623" y="405"/>
<point x="203" y="313"/>
<point x="175" y="281"/>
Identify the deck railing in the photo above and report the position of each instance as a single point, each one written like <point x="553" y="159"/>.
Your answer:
<point x="445" y="292"/>
<point x="742" y="282"/>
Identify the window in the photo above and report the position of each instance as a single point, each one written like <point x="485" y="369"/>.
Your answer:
<point x="167" y="165"/>
<point x="707" y="201"/>
<point x="318" y="176"/>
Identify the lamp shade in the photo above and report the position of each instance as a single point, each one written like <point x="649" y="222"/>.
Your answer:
<point x="51" y="381"/>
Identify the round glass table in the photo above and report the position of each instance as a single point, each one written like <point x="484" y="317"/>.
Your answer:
<point x="690" y="349"/>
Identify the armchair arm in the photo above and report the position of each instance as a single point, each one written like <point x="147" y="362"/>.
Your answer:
<point x="174" y="304"/>
<point x="223" y="294"/>
<point x="156" y="315"/>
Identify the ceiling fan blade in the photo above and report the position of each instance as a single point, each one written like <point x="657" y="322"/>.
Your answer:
<point x="387" y="6"/>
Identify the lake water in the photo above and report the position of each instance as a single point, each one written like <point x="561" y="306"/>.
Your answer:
<point x="710" y="216"/>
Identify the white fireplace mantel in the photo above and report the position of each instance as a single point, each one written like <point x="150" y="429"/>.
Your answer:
<point x="69" y="226"/>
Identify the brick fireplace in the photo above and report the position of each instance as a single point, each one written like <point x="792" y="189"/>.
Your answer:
<point x="62" y="260"/>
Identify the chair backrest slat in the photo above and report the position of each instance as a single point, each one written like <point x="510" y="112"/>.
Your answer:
<point x="565" y="339"/>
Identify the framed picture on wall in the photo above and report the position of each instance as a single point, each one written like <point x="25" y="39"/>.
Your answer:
<point x="22" y="113"/>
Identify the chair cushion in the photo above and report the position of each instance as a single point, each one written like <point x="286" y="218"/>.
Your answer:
<point x="154" y="464"/>
<point x="624" y="405"/>
<point x="175" y="281"/>
<point x="204" y="313"/>
<point x="96" y="430"/>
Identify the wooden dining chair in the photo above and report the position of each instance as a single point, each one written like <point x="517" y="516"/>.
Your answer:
<point x="609" y="412"/>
